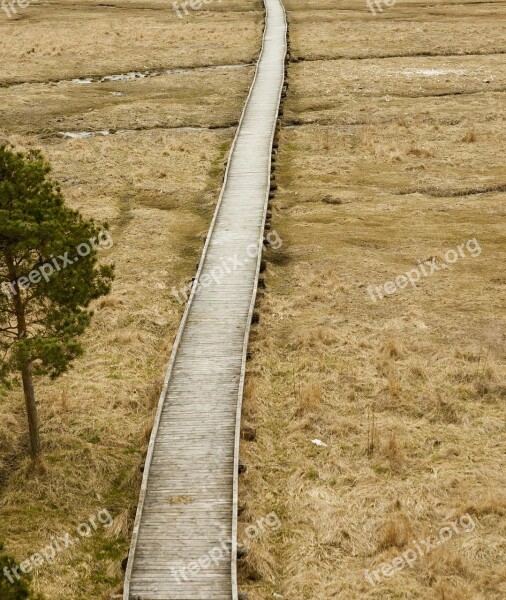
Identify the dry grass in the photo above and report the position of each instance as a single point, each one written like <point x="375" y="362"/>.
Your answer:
<point x="157" y="188"/>
<point x="42" y="44"/>
<point x="96" y="420"/>
<point x="322" y="30"/>
<point x="410" y="389"/>
<point x="407" y="393"/>
<point x="190" y="99"/>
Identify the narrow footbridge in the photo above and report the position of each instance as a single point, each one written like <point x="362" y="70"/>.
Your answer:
<point x="185" y="534"/>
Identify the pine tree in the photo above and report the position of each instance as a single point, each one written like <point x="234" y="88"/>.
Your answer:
<point x="48" y="276"/>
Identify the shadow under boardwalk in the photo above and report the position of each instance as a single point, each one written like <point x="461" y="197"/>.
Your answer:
<point x="184" y="538"/>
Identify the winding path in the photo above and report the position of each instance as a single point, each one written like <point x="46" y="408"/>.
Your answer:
<point x="184" y="539"/>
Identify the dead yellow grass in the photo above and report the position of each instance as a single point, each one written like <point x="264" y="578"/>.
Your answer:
<point x="190" y="99"/>
<point x="97" y="419"/>
<point x="323" y="30"/>
<point x="157" y="186"/>
<point x="41" y="44"/>
<point x="407" y="392"/>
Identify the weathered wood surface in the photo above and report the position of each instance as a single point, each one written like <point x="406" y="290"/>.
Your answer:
<point x="188" y="501"/>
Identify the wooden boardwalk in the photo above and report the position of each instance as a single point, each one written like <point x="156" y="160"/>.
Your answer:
<point x="184" y="538"/>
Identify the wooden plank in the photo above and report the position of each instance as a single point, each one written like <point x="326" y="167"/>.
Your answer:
<point x="194" y="447"/>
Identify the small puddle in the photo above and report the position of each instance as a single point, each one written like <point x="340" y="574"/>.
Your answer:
<point x="131" y="75"/>
<point x="79" y="135"/>
<point x="128" y="76"/>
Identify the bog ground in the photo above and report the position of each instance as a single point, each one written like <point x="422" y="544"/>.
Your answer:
<point x="155" y="178"/>
<point x="391" y="153"/>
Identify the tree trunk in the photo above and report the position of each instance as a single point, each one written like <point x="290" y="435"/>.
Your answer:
<point x="31" y="411"/>
<point x="26" y="373"/>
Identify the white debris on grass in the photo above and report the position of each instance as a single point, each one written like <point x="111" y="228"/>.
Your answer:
<point x="319" y="443"/>
<point x="432" y="72"/>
